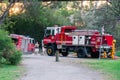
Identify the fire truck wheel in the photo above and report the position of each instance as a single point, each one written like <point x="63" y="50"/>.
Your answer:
<point x="80" y="53"/>
<point x="64" y="54"/>
<point x="50" y="51"/>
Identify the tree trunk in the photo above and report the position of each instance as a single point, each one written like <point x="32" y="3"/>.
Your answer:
<point x="6" y="12"/>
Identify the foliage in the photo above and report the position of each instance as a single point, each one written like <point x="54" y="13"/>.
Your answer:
<point x="113" y="16"/>
<point x="7" y="50"/>
<point x="15" y="58"/>
<point x="89" y="20"/>
<point x="2" y="61"/>
<point x="7" y="25"/>
<point x="115" y="8"/>
<point x="116" y="33"/>
<point x="5" y="41"/>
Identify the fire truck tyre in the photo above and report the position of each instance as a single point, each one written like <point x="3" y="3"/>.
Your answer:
<point x="65" y="53"/>
<point x="80" y="53"/>
<point x="50" y="51"/>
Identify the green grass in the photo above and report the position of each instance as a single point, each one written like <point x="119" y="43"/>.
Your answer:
<point x="9" y="72"/>
<point x="118" y="53"/>
<point x="109" y="67"/>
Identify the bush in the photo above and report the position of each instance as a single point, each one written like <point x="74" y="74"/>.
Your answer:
<point x="15" y="58"/>
<point x="2" y="61"/>
<point x="8" y="52"/>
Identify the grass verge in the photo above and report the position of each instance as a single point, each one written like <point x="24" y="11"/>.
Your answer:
<point x="109" y="67"/>
<point x="10" y="72"/>
<point x="118" y="53"/>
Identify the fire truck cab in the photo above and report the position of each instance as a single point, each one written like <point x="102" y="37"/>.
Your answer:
<point x="86" y="43"/>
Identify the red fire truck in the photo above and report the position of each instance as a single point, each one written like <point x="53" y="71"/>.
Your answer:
<point x="23" y="43"/>
<point x="86" y="43"/>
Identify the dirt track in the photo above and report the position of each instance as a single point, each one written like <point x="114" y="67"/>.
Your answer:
<point x="45" y="68"/>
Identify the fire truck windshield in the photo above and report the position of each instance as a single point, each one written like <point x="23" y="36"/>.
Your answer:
<point x="68" y="30"/>
<point x="47" y="32"/>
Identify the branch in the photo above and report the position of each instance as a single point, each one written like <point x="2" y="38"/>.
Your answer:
<point x="2" y="18"/>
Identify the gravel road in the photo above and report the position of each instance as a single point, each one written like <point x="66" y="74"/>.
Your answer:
<point x="45" y="68"/>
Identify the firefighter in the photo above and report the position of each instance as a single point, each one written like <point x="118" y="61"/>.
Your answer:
<point x="113" y="49"/>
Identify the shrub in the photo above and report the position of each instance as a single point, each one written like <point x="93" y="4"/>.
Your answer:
<point x="2" y="60"/>
<point x="8" y="52"/>
<point x="15" y="58"/>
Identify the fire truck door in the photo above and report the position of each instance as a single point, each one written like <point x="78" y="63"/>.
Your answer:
<point x="75" y="40"/>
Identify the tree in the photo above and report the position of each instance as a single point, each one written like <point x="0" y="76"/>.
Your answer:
<point x="36" y="17"/>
